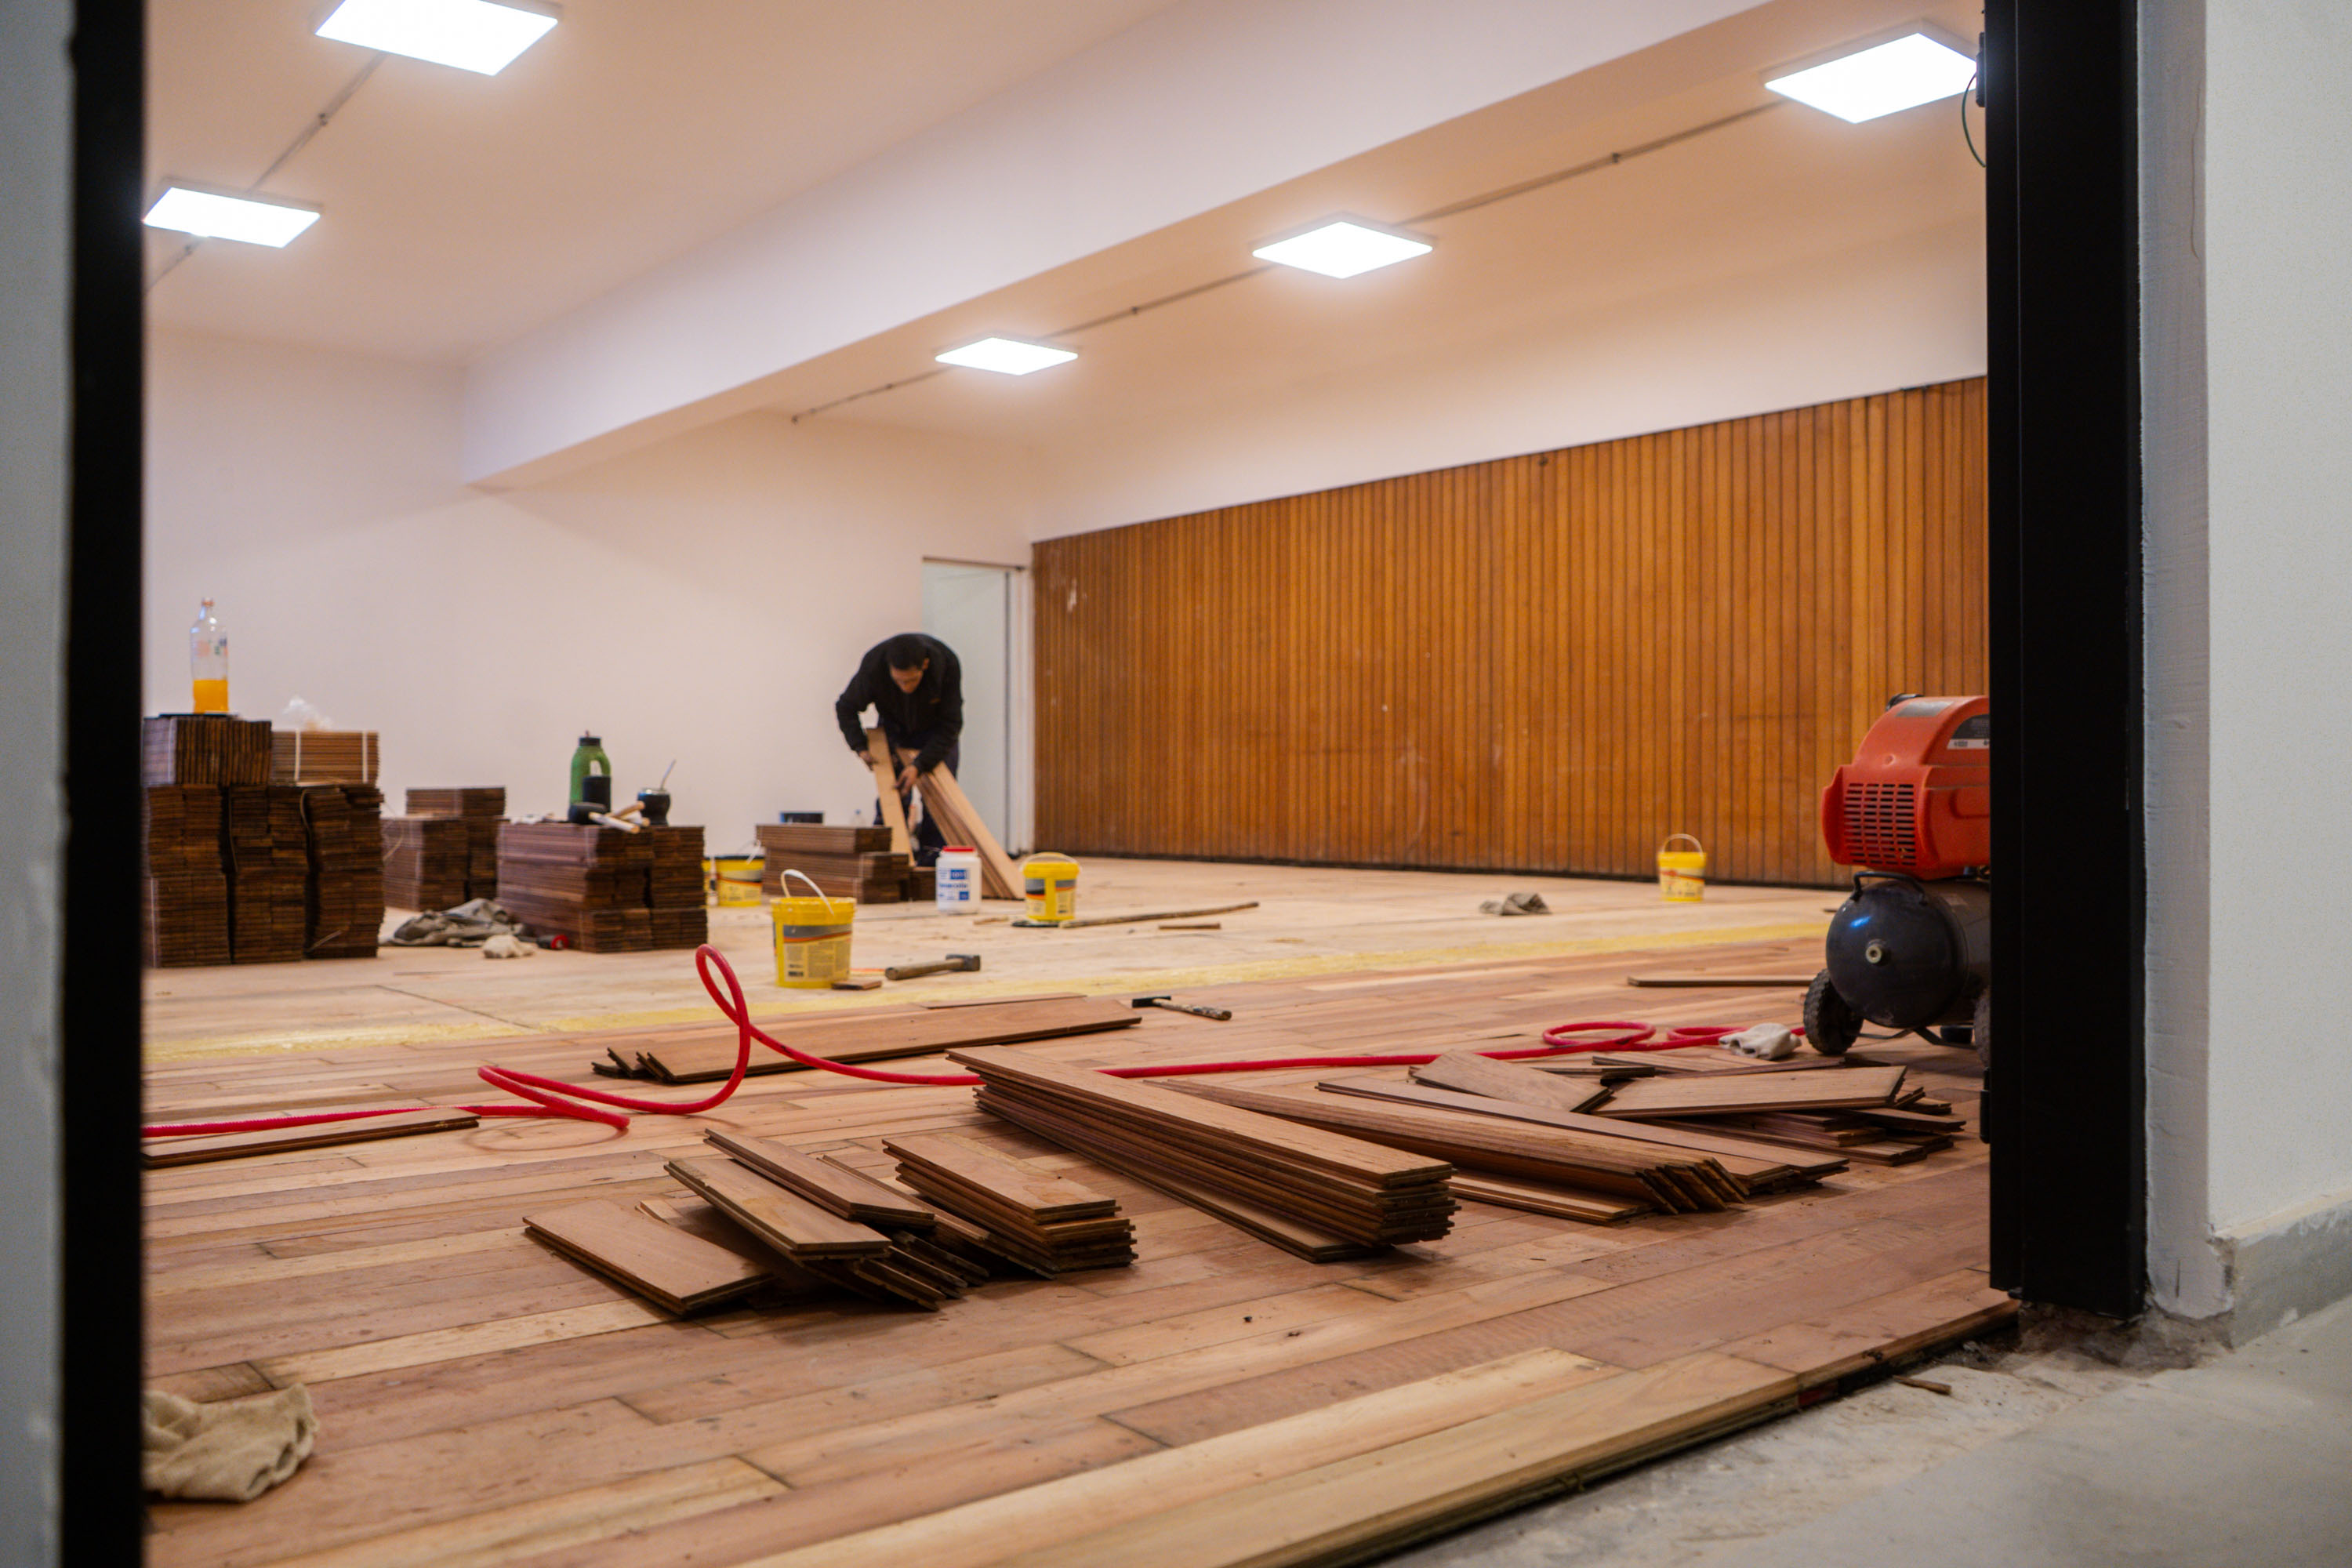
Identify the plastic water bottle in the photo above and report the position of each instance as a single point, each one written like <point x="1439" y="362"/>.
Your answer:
<point x="208" y="661"/>
<point x="956" y="880"/>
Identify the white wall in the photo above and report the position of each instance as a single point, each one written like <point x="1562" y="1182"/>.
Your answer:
<point x="1903" y="311"/>
<point x="35" y="159"/>
<point x="2278" y="272"/>
<point x="316" y="497"/>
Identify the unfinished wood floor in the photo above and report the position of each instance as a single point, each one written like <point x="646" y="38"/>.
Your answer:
<point x="483" y="1399"/>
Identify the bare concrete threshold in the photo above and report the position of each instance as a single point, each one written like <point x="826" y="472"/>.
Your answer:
<point x="2067" y="1445"/>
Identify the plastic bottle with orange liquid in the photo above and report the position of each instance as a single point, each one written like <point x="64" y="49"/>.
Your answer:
<point x="208" y="661"/>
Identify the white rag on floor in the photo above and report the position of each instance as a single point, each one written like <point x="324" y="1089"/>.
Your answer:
<point x="232" y="1450"/>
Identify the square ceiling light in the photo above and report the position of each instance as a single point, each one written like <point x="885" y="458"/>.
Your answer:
<point x="482" y="36"/>
<point x="1343" y="247"/>
<point x="218" y="214"/>
<point x="1007" y="356"/>
<point x="1901" y="74"/>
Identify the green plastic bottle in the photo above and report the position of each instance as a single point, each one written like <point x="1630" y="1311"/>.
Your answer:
<point x="592" y="774"/>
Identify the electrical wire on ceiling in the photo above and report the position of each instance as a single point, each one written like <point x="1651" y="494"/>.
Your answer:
<point x="318" y="123"/>
<point x="1435" y="215"/>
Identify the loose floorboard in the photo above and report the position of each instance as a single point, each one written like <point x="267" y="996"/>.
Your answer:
<point x="484" y="1400"/>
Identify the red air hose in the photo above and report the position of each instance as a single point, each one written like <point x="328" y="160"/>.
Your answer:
<point x="555" y="1097"/>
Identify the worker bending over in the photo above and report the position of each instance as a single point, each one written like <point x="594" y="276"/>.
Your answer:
<point x="915" y="685"/>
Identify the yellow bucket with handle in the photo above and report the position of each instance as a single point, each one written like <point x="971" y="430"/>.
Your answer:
<point x="1682" y="873"/>
<point x="1050" y="881"/>
<point x="812" y="938"/>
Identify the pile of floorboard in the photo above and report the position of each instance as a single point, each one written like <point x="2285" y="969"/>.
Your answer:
<point x="268" y="871"/>
<point x="322" y="756"/>
<point x="1856" y="1110"/>
<point x="1045" y="1223"/>
<point x="706" y="1053"/>
<point x="606" y="890"/>
<point x="483" y="809"/>
<point x="183" y="906"/>
<point x="843" y="862"/>
<point x="425" y="862"/>
<point x="345" y="837"/>
<point x="1319" y="1193"/>
<point x="204" y="749"/>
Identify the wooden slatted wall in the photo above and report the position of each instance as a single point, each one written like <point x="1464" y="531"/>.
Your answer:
<point x="1544" y="663"/>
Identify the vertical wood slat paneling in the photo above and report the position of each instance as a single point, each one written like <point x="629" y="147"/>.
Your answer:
<point x="1544" y="663"/>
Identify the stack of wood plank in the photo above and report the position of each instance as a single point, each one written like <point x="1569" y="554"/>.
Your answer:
<point x="674" y="887"/>
<point x="483" y="809"/>
<point x="183" y="903"/>
<point x="424" y="861"/>
<point x="204" y="749"/>
<point x="706" y="1053"/>
<point x="1316" y="1193"/>
<point x="322" y="756"/>
<point x="1858" y="1110"/>
<point x="344" y="838"/>
<point x="268" y="872"/>
<point x="1043" y="1222"/>
<point x="843" y="862"/>
<point x="667" y="1265"/>
<point x="586" y="884"/>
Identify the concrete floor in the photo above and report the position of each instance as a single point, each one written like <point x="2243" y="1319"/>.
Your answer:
<point x="2047" y="1455"/>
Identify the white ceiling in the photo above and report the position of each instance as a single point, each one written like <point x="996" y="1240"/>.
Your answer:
<point x="466" y="210"/>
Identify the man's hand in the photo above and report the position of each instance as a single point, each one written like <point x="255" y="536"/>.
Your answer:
<point x="906" y="778"/>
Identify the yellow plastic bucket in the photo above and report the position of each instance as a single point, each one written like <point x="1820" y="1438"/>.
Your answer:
<point x="735" y="881"/>
<point x="1682" y="873"/>
<point x="812" y="938"/>
<point x="1051" y="881"/>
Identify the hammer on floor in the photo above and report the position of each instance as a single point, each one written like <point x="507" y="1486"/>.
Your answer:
<point x="1160" y="1000"/>
<point x="952" y="962"/>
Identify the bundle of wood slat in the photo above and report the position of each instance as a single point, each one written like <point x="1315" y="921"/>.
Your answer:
<point x="184" y="903"/>
<point x="484" y="809"/>
<point x="424" y="861"/>
<point x="343" y="826"/>
<point x="268" y="871"/>
<point x="586" y="884"/>
<point x="843" y="862"/>
<point x="1319" y="1193"/>
<point x="322" y="756"/>
<point x="204" y="749"/>
<point x="1043" y="1222"/>
<point x="674" y="879"/>
<point x="1859" y="1111"/>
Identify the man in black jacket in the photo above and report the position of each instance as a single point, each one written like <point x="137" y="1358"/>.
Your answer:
<point x="915" y="685"/>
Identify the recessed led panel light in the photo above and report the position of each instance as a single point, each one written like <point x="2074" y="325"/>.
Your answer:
<point x="1343" y="247"/>
<point x="1904" y="74"/>
<point x="1007" y="356"/>
<point x="472" y="35"/>
<point x="215" y="214"/>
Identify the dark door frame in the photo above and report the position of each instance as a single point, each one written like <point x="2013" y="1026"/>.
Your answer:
<point x="2065" y="1103"/>
<point x="2066" y="1093"/>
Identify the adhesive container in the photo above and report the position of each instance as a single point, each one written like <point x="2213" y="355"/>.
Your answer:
<point x="1682" y="873"/>
<point x="1050" y="878"/>
<point x="957" y="881"/>
<point x="812" y="938"/>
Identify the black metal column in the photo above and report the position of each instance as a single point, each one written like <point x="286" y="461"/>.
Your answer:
<point x="2066" y="1091"/>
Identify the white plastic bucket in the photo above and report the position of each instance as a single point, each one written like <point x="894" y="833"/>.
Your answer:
<point x="955" y="885"/>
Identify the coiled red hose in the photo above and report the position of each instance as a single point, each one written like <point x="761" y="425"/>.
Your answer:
<point x="555" y="1097"/>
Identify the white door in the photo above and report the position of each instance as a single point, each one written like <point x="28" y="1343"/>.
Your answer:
<point x="971" y="609"/>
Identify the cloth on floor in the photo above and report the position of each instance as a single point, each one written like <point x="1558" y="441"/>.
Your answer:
<point x="232" y="1450"/>
<point x="471" y="924"/>
<point x="1516" y="904"/>
<point x="1766" y="1042"/>
<point x="506" y="945"/>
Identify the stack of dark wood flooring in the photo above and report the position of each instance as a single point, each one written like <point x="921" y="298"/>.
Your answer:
<point x="344" y="899"/>
<point x="322" y="756"/>
<point x="187" y="748"/>
<point x="1045" y="1223"/>
<point x="843" y="862"/>
<point x="598" y="887"/>
<point x="183" y="906"/>
<point x="483" y="809"/>
<point x="424" y="861"/>
<point x="1847" y="1106"/>
<point x="1316" y="1193"/>
<point x="706" y="1053"/>
<point x="269" y="867"/>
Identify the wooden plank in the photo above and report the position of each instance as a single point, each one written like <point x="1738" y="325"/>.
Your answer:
<point x="821" y="1181"/>
<point x="781" y="1219"/>
<point x="885" y="786"/>
<point x="1382" y="1500"/>
<point x="865" y="1038"/>
<point x="1042" y="1196"/>
<point x="1562" y="1202"/>
<point x="1001" y="878"/>
<point x="1468" y="1072"/>
<point x="1693" y="979"/>
<point x="1724" y="1094"/>
<point x="659" y="1262"/>
<point x="162" y="1152"/>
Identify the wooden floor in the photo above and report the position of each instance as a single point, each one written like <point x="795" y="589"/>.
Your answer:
<point x="483" y="1399"/>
